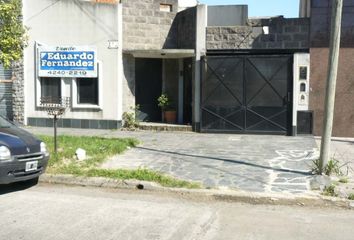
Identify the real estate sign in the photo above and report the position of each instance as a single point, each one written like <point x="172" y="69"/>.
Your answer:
<point x="71" y="61"/>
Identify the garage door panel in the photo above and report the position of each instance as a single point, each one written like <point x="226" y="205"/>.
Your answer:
<point x="234" y="82"/>
<point x="265" y="126"/>
<point x="224" y="66"/>
<point x="223" y="77"/>
<point x="222" y="119"/>
<point x="261" y="73"/>
<point x="267" y="66"/>
<point x="223" y="98"/>
<point x="247" y="94"/>
<point x="266" y="98"/>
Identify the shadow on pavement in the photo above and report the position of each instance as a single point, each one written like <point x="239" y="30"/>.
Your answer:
<point x="16" y="187"/>
<point x="343" y="141"/>
<point x="305" y="173"/>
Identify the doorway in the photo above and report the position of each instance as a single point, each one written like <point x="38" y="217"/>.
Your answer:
<point x="148" y="87"/>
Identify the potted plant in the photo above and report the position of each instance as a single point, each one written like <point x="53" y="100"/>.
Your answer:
<point x="168" y="112"/>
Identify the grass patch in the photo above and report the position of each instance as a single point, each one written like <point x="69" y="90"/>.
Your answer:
<point x="330" y="191"/>
<point x="343" y="180"/>
<point x="351" y="196"/>
<point x="98" y="150"/>
<point x="138" y="174"/>
<point x="333" y="167"/>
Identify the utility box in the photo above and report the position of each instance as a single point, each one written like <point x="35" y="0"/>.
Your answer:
<point x="305" y="122"/>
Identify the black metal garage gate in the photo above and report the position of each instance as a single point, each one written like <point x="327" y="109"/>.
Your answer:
<point x="247" y="94"/>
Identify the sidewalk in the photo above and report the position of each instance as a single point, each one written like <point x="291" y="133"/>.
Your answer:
<point x="342" y="150"/>
<point x="254" y="163"/>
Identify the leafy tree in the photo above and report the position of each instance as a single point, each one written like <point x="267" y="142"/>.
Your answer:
<point x="12" y="33"/>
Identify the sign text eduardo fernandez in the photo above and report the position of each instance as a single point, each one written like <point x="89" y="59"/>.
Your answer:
<point x="67" y="62"/>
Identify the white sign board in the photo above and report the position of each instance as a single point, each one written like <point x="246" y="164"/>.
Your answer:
<point x="70" y="61"/>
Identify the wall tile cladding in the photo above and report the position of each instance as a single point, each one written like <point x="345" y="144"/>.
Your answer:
<point x="146" y="27"/>
<point x="75" y="123"/>
<point x="18" y="97"/>
<point x="283" y="34"/>
<point x="321" y="21"/>
<point x="344" y="108"/>
<point x="319" y="42"/>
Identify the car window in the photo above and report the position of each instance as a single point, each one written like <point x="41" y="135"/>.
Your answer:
<point x="4" y="123"/>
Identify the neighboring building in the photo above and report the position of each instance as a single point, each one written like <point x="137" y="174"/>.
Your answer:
<point x="224" y="71"/>
<point x="6" y="92"/>
<point x="319" y="44"/>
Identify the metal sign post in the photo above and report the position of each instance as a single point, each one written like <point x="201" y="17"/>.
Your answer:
<point x="55" y="107"/>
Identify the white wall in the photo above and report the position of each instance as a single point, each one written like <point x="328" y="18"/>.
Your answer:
<point x="300" y="99"/>
<point x="183" y="4"/>
<point x="67" y="23"/>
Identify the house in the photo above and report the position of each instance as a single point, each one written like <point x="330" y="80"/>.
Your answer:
<point x="319" y="12"/>
<point x="224" y="71"/>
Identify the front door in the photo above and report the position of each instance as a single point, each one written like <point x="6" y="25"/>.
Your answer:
<point x="187" y="91"/>
<point x="148" y="87"/>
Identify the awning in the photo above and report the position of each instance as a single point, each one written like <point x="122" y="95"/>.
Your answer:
<point x="162" y="53"/>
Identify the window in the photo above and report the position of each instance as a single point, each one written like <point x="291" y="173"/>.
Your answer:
<point x="265" y="30"/>
<point x="165" y="7"/>
<point x="87" y="91"/>
<point x="50" y="89"/>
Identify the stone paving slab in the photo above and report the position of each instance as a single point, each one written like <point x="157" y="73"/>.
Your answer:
<point x="256" y="163"/>
<point x="247" y="162"/>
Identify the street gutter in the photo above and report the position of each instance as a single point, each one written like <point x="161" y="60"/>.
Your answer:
<point x="202" y="194"/>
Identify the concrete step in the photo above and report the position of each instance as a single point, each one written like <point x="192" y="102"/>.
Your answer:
<point x="164" y="127"/>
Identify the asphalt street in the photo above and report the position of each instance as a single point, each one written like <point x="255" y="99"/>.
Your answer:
<point x="64" y="212"/>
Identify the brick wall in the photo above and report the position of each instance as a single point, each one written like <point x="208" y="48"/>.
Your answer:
<point x="18" y="100"/>
<point x="321" y="23"/>
<point x="344" y="107"/>
<point x="283" y="34"/>
<point x="319" y="43"/>
<point x="146" y="27"/>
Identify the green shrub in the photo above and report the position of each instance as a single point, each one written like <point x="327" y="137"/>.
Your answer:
<point x="333" y="167"/>
<point x="163" y="102"/>
<point x="129" y="118"/>
<point x="330" y="191"/>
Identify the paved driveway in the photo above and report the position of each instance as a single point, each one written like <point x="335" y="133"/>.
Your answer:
<point x="256" y="163"/>
<point x="246" y="162"/>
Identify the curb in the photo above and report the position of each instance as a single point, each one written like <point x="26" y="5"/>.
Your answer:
<point x="201" y="194"/>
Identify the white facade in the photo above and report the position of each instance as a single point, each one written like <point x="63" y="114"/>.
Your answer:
<point x="301" y="84"/>
<point x="74" y="23"/>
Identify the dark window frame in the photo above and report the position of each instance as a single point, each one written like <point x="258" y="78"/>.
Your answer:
<point x="97" y="102"/>
<point x="80" y="84"/>
<point x="48" y="95"/>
